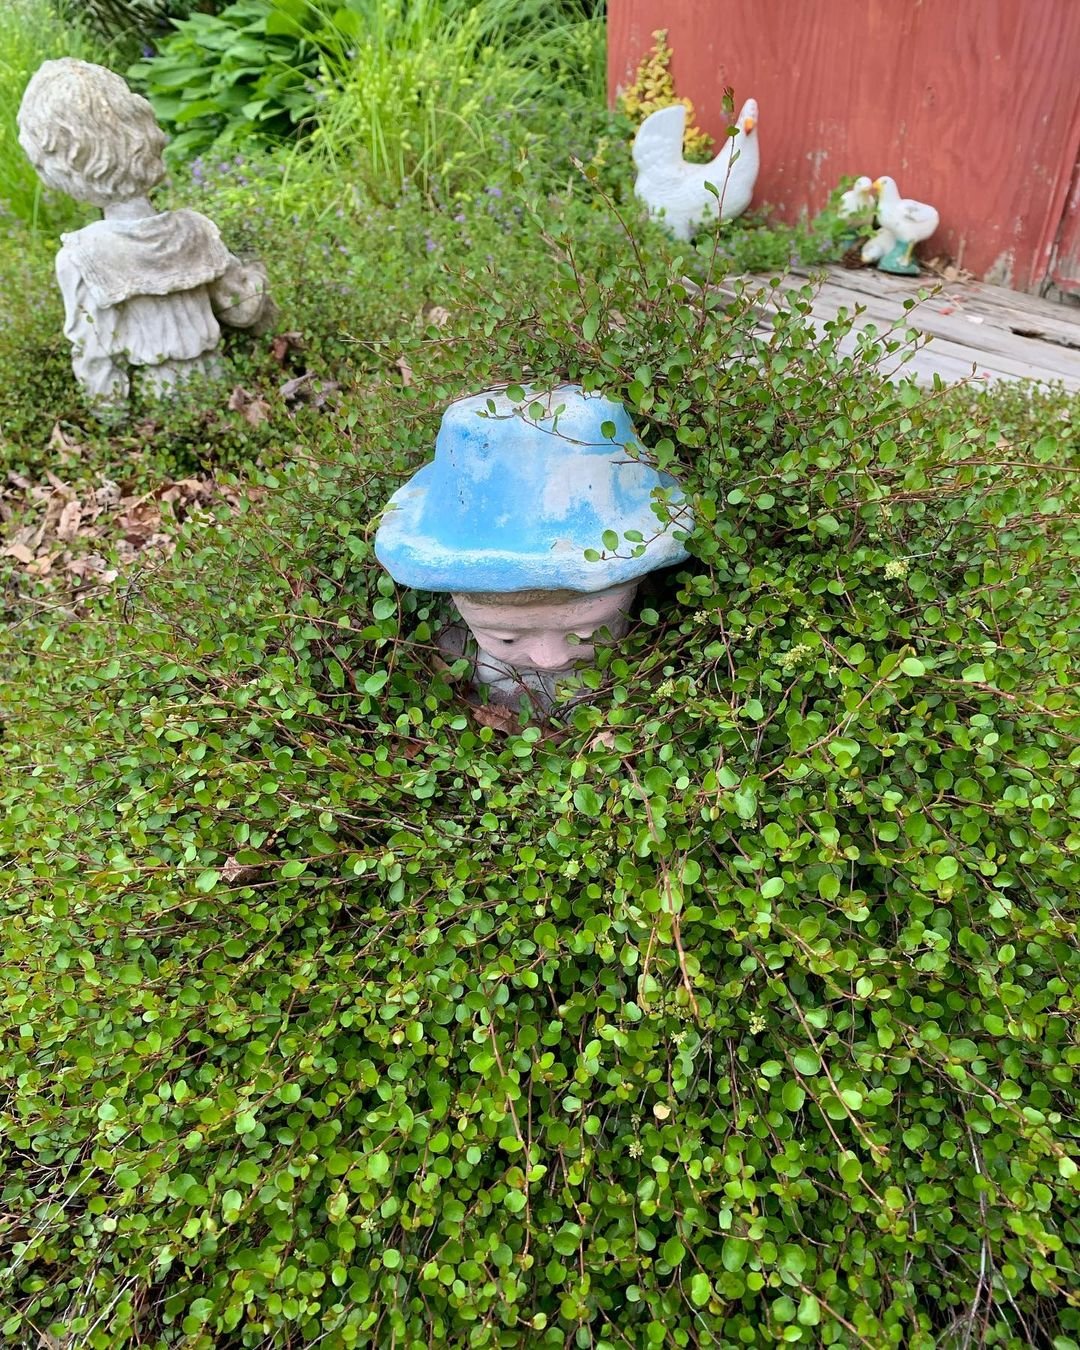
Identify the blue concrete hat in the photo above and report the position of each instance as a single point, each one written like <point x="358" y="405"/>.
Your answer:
<point x="511" y="502"/>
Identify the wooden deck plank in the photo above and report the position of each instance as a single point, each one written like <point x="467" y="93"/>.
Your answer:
<point x="985" y="351"/>
<point x="986" y="347"/>
<point x="1004" y="308"/>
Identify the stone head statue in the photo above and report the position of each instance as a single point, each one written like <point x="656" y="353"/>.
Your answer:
<point x="88" y="135"/>
<point x="510" y="517"/>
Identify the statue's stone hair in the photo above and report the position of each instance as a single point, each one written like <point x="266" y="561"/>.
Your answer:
<point x="87" y="134"/>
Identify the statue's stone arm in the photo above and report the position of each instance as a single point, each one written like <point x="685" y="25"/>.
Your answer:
<point x="240" y="297"/>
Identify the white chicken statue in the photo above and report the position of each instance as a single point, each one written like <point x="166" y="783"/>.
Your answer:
<point x="908" y="221"/>
<point x="674" y="191"/>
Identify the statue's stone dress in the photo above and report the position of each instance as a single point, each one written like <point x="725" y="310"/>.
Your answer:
<point x="146" y="296"/>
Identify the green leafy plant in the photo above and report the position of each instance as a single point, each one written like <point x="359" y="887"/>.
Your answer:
<point x="222" y="79"/>
<point x="732" y="1006"/>
<point x="120" y="20"/>
<point x="430" y="91"/>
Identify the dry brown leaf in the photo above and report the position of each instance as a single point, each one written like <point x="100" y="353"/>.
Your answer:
<point x="41" y="567"/>
<point x="65" y="446"/>
<point x="948" y="270"/>
<point x="283" y="344"/>
<point x="499" y="719"/>
<point x="67" y="527"/>
<point x="308" y="388"/>
<point x="257" y="412"/>
<point x="58" y="484"/>
<point x="324" y="391"/>
<point x="20" y="553"/>
<point x="235" y="871"/>
<point x="404" y="370"/>
<point x="140" y="522"/>
<point x="438" y="315"/>
<point x="91" y="566"/>
<point x="292" y="389"/>
<point x="254" y="410"/>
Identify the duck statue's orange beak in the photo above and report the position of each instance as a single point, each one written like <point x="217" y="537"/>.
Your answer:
<point x="749" y="123"/>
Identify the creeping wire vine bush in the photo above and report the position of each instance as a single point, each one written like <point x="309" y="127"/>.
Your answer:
<point x="735" y="1006"/>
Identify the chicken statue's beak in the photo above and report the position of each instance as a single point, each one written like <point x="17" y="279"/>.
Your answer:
<point x="877" y="185"/>
<point x="749" y="123"/>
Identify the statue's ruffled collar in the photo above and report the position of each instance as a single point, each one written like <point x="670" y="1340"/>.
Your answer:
<point x="151" y="255"/>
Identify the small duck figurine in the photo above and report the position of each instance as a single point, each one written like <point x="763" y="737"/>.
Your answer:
<point x="880" y="243"/>
<point x="859" y="200"/>
<point x="856" y="209"/>
<point x="674" y="191"/>
<point x="908" y="221"/>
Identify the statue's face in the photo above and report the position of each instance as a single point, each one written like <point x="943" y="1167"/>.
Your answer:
<point x="545" y="634"/>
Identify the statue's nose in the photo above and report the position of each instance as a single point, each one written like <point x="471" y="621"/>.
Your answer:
<point x="553" y="652"/>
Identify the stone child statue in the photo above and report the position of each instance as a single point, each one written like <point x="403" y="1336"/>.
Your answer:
<point x="144" y="291"/>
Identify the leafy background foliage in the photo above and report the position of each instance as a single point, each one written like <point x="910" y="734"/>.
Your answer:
<point x="732" y="1005"/>
<point x="427" y="91"/>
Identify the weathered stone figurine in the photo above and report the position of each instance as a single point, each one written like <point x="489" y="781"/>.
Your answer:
<point x="144" y="291"/>
<point x="503" y="518"/>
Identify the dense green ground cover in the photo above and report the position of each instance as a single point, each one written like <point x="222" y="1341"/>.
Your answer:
<point x="734" y="1005"/>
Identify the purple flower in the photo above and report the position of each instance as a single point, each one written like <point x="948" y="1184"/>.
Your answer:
<point x="430" y="243"/>
<point x="460" y="217"/>
<point x="493" y="191"/>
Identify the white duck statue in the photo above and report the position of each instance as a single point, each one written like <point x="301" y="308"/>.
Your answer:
<point x="908" y="221"/>
<point x="856" y="209"/>
<point x="880" y="243"/>
<point x="859" y="200"/>
<point x="674" y="191"/>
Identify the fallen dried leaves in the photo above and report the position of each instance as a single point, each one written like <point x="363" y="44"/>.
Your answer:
<point x="283" y="344"/>
<point x="253" y="409"/>
<point x="85" y="535"/>
<point x="947" y="270"/>
<point x="309" y="388"/>
<point x="506" y="720"/>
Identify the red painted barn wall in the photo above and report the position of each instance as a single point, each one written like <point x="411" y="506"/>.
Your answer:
<point x="972" y="105"/>
<point x="1065" y="266"/>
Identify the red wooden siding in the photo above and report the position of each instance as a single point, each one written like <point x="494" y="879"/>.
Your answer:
<point x="972" y="105"/>
<point x="1065" y="269"/>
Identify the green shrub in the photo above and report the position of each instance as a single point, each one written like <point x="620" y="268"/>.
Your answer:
<point x="430" y="91"/>
<point x="442" y="93"/>
<point x="119" y="21"/>
<point x="227" y="79"/>
<point x="733" y="1007"/>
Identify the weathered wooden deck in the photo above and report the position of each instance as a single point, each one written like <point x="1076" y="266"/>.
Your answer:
<point x="979" y="333"/>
